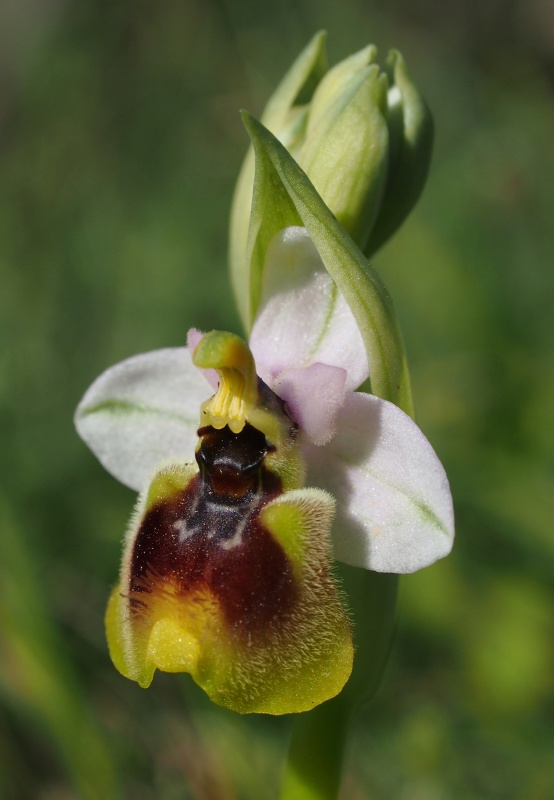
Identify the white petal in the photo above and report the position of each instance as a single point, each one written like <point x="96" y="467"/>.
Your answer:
<point x="394" y="507"/>
<point x="142" y="413"/>
<point x="303" y="318"/>
<point x="313" y="396"/>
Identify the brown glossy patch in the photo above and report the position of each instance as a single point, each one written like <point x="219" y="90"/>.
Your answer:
<point x="230" y="463"/>
<point x="210" y="537"/>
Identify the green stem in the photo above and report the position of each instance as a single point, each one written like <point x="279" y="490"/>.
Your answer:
<point x="313" y="770"/>
<point x="314" y="767"/>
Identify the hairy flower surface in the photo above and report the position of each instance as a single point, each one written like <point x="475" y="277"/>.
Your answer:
<point x="227" y="571"/>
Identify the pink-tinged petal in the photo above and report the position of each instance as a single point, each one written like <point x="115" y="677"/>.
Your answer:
<point x="314" y="396"/>
<point x="303" y="319"/>
<point x="142" y="413"/>
<point x="194" y="337"/>
<point x="394" y="507"/>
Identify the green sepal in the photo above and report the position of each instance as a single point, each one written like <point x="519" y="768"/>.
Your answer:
<point x="283" y="196"/>
<point x="411" y="143"/>
<point x="298" y="84"/>
<point x="335" y="82"/>
<point x="285" y="114"/>
<point x="346" y="147"/>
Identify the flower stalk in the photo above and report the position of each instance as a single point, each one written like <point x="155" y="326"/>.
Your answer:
<point x="319" y="740"/>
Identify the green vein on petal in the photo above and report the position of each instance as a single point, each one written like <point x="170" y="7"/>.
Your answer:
<point x="429" y="514"/>
<point x="327" y="321"/>
<point x="119" y="407"/>
<point x="424" y="510"/>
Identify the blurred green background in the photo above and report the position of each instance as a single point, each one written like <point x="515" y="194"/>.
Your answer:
<point x="119" y="145"/>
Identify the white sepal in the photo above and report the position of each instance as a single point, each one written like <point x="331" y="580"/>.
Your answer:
<point x="143" y="413"/>
<point x="394" y="507"/>
<point x="303" y="318"/>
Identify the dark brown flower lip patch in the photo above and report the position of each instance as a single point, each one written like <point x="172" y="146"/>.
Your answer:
<point x="209" y="538"/>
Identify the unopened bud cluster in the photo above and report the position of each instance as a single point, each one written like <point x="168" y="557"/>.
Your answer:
<point x="363" y="135"/>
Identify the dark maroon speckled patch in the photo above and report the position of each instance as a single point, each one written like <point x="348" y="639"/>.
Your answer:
<point x="210" y="536"/>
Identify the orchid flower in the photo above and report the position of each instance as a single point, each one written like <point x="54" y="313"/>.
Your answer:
<point x="393" y="505"/>
<point x="259" y="465"/>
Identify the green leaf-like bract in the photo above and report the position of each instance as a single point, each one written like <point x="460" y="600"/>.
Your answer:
<point x="283" y="196"/>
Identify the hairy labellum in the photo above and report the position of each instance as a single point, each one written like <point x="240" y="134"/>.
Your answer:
<point x="227" y="572"/>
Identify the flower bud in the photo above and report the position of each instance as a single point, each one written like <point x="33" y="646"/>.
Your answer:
<point x="363" y="137"/>
<point x="411" y="141"/>
<point x="345" y="149"/>
<point x="285" y="114"/>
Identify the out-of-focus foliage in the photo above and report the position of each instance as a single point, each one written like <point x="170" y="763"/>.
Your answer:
<point x="119" y="145"/>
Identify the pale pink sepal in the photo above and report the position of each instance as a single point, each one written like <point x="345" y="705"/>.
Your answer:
<point x="143" y="413"/>
<point x="313" y="396"/>
<point x="303" y="319"/>
<point x="394" y="507"/>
